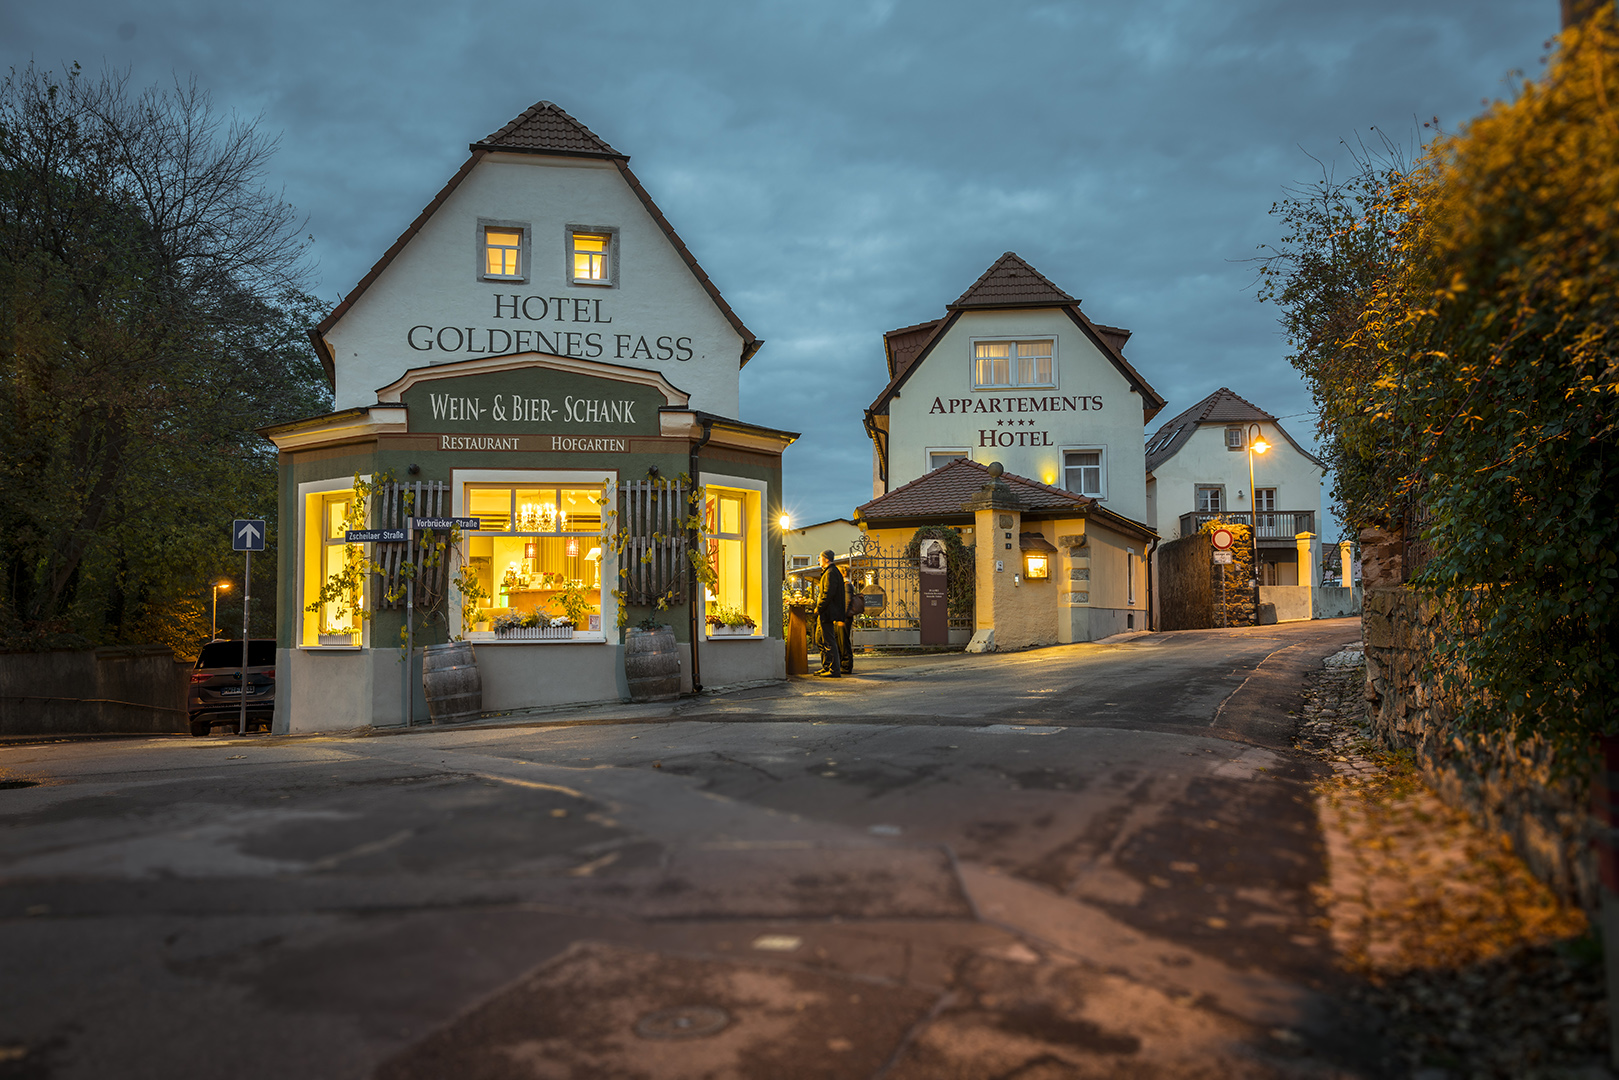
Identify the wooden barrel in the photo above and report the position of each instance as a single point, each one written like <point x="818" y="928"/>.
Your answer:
<point x="450" y="679"/>
<point x="652" y="664"/>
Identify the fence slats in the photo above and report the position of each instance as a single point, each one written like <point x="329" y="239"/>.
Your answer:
<point x="392" y="503"/>
<point x="655" y="546"/>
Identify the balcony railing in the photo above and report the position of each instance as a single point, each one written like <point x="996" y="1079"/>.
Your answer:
<point x="1273" y="524"/>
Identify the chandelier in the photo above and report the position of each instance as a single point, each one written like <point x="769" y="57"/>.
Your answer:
<point x="541" y="517"/>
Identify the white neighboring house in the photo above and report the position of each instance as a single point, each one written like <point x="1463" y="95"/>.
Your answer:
<point x="804" y="544"/>
<point x="1197" y="468"/>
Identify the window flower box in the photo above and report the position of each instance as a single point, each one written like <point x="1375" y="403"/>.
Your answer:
<point x="535" y="633"/>
<point x="721" y="630"/>
<point x="337" y="639"/>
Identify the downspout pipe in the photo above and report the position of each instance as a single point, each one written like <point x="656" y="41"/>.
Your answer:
<point x="1152" y="618"/>
<point x="697" y="537"/>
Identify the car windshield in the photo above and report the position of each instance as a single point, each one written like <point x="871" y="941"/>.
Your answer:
<point x="219" y="654"/>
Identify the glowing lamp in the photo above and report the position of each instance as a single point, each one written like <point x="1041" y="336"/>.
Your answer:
<point x="1037" y="552"/>
<point x="1260" y="445"/>
<point x="785" y="521"/>
<point x="572" y="547"/>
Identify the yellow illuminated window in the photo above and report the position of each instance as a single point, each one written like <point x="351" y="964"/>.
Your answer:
<point x="731" y="533"/>
<point x="1036" y="566"/>
<point x="590" y="252"/>
<point x="1012" y="363"/>
<point x="327" y="557"/>
<point x="536" y="546"/>
<point x="503" y="253"/>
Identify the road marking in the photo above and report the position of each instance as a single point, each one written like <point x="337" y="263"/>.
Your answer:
<point x="1015" y="729"/>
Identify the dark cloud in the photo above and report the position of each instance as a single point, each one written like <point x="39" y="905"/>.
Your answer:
<point x="845" y="168"/>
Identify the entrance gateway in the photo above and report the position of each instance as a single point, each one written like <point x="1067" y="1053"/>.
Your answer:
<point x="562" y="437"/>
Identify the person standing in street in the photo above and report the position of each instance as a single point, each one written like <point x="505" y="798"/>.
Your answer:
<point x="852" y="610"/>
<point x="829" y="611"/>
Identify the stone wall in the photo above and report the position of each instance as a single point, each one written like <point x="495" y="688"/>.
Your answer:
<point x="98" y="691"/>
<point x="1505" y="784"/>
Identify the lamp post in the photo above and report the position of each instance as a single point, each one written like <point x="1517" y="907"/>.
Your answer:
<point x="1256" y="445"/>
<point x="218" y="586"/>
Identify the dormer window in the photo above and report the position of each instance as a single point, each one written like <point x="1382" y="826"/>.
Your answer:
<point x="503" y="250"/>
<point x="591" y="256"/>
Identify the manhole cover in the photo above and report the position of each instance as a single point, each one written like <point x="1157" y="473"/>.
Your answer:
<point x="17" y="783"/>
<point x="686" y="1022"/>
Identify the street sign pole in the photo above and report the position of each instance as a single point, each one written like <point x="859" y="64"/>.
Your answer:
<point x="247" y="602"/>
<point x="247" y="536"/>
<point x="410" y="623"/>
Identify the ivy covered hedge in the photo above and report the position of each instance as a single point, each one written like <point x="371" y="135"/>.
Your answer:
<point x="1458" y="321"/>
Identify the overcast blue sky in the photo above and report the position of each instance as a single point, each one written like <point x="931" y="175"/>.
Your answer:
<point x="844" y="168"/>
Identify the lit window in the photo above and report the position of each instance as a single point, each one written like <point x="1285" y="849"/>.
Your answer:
<point x="503" y="253"/>
<point x="328" y="558"/>
<point x="1234" y="438"/>
<point x="590" y="254"/>
<point x="1012" y="363"/>
<point x="938" y="459"/>
<point x="1082" y="472"/>
<point x="538" y="549"/>
<point x="800" y="562"/>
<point x="1209" y="500"/>
<point x="730" y="531"/>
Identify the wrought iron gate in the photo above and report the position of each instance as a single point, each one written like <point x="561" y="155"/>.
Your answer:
<point x="896" y="578"/>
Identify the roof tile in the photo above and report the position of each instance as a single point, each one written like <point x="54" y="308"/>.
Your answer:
<point x="941" y="492"/>
<point x="545" y="126"/>
<point x="1011" y="282"/>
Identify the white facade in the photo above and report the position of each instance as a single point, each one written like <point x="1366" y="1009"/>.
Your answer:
<point x="1198" y="464"/>
<point x="1088" y="404"/>
<point x="432" y="304"/>
<point x="1015" y="373"/>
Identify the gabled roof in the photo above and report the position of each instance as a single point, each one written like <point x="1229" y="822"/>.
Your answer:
<point x="1008" y="283"/>
<point x="1011" y="282"/>
<point x="543" y="128"/>
<point x="906" y="343"/>
<point x="1222" y="407"/>
<point x="940" y="493"/>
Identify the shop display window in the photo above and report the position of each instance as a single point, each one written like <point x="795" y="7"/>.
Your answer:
<point x="731" y="533"/>
<point x="327" y="557"/>
<point x="538" y="552"/>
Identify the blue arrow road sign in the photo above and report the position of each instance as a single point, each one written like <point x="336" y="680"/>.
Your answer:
<point x="247" y="534"/>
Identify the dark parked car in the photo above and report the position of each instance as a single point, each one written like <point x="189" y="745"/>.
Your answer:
<point x="216" y="684"/>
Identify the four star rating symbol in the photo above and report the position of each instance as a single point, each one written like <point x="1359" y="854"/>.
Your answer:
<point x="1014" y="423"/>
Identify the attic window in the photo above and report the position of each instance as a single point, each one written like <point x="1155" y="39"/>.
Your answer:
<point x="1234" y="438"/>
<point x="502" y="251"/>
<point x="591" y="256"/>
<point x="1012" y="363"/>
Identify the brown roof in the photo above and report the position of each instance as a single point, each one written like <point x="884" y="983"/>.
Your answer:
<point x="940" y="493"/>
<point x="545" y="128"/>
<point x="906" y="343"/>
<point x="1223" y="406"/>
<point x="1116" y="337"/>
<point x="1011" y="282"/>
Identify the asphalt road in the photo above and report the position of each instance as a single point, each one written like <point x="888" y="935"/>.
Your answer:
<point x="1083" y="861"/>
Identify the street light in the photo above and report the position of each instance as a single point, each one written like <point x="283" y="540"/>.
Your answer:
<point x="218" y="586"/>
<point x="1256" y="445"/>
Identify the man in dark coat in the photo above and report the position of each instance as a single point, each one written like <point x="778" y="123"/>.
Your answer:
<point x="829" y="611"/>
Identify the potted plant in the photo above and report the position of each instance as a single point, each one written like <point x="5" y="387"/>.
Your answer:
<point x="575" y="605"/>
<point x="729" y="622"/>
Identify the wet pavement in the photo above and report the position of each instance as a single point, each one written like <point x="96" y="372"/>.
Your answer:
<point x="1084" y="861"/>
